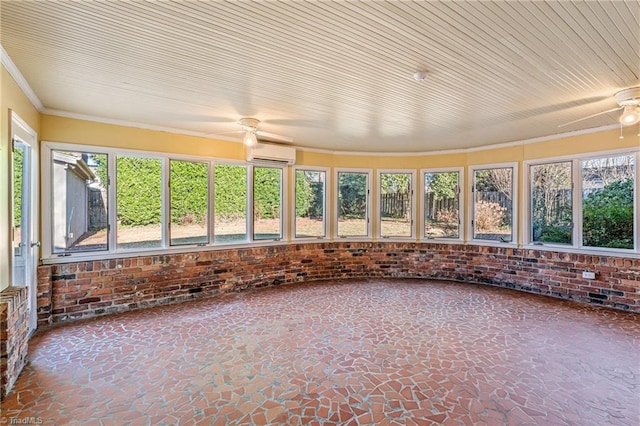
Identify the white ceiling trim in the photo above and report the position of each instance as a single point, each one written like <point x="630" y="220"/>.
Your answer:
<point x="14" y="72"/>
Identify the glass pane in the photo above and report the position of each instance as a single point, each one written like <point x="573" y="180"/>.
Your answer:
<point x="20" y="207"/>
<point x="608" y="202"/>
<point x="492" y="215"/>
<point x="79" y="195"/>
<point x="551" y="203"/>
<point x="395" y="205"/>
<point x="189" y="187"/>
<point x="139" y="202"/>
<point x="267" y="203"/>
<point x="352" y="204"/>
<point x="310" y="187"/>
<point x="230" y="203"/>
<point x="442" y="205"/>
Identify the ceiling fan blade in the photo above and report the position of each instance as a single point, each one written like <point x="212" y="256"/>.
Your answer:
<point x="591" y="116"/>
<point x="274" y="137"/>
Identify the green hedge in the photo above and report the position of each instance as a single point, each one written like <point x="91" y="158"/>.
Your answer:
<point x="608" y="216"/>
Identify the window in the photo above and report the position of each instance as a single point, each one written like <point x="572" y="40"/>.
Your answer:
<point x="442" y="204"/>
<point x="608" y="202"/>
<point x="395" y="198"/>
<point x="353" y="204"/>
<point x="551" y="203"/>
<point x="79" y="201"/>
<point x="310" y="193"/>
<point x="138" y="202"/>
<point x="493" y="204"/>
<point x="189" y="194"/>
<point x="267" y="203"/>
<point x="230" y="203"/>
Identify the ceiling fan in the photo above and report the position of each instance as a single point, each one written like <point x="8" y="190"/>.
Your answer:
<point x="628" y="100"/>
<point x="249" y="126"/>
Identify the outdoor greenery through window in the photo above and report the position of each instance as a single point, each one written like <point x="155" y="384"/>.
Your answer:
<point x="442" y="204"/>
<point x="79" y="202"/>
<point x="396" y="217"/>
<point x="310" y="196"/>
<point x="552" y="203"/>
<point x="230" y="203"/>
<point x="493" y="204"/>
<point x="267" y="203"/>
<point x="608" y="202"/>
<point x="189" y="189"/>
<point x="353" y="198"/>
<point x="138" y="202"/>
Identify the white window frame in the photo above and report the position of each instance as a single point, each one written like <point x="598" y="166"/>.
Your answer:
<point x="284" y="205"/>
<point x="527" y="219"/>
<point x="412" y="202"/>
<point x="209" y="204"/>
<point x="471" y="204"/>
<point x="461" y="204"/>
<point x="112" y="252"/>
<point x="576" y="169"/>
<point x="336" y="182"/>
<point x="579" y="241"/>
<point x="248" y="205"/>
<point x="325" y="201"/>
<point x="164" y="203"/>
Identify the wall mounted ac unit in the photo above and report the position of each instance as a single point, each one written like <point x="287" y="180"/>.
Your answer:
<point x="271" y="153"/>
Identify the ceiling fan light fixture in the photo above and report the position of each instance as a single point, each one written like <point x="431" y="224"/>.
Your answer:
<point x="250" y="138"/>
<point x="630" y="115"/>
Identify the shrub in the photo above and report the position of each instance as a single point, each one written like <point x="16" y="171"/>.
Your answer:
<point x="489" y="216"/>
<point x="447" y="219"/>
<point x="608" y="216"/>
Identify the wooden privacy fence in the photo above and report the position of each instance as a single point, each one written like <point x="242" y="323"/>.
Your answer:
<point x="395" y="205"/>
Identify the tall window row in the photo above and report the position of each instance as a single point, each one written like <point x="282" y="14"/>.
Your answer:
<point x="591" y="203"/>
<point x="106" y="202"/>
<point x="115" y="202"/>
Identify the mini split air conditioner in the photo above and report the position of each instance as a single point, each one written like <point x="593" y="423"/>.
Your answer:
<point x="271" y="153"/>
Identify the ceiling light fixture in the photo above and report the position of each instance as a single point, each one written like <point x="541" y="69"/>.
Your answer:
<point x="250" y="138"/>
<point x="420" y="76"/>
<point x="630" y="116"/>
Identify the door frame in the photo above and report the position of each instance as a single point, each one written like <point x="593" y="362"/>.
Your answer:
<point x="25" y="134"/>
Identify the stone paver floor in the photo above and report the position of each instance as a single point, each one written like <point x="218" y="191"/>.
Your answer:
<point x="364" y="352"/>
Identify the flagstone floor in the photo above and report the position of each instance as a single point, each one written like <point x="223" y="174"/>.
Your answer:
<point x="362" y="352"/>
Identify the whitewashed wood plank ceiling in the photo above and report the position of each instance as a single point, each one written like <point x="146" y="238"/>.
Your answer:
<point x="334" y="75"/>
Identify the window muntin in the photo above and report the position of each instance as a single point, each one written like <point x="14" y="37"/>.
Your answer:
<point x="395" y="198"/>
<point x="493" y="204"/>
<point x="267" y="203"/>
<point x="310" y="190"/>
<point x="189" y="198"/>
<point x="79" y="213"/>
<point x="442" y="204"/>
<point x="551" y="203"/>
<point x="608" y="203"/>
<point x="353" y="204"/>
<point x="230" y="204"/>
<point x="138" y="202"/>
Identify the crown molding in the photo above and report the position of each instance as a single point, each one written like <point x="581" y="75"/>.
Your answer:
<point x="551" y="137"/>
<point x="13" y="70"/>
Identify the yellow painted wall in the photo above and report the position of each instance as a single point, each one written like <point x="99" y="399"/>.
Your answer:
<point x="12" y="98"/>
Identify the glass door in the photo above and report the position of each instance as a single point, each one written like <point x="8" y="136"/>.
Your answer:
<point x="25" y="244"/>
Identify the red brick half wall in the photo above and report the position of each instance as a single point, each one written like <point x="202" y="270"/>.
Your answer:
<point x="85" y="289"/>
